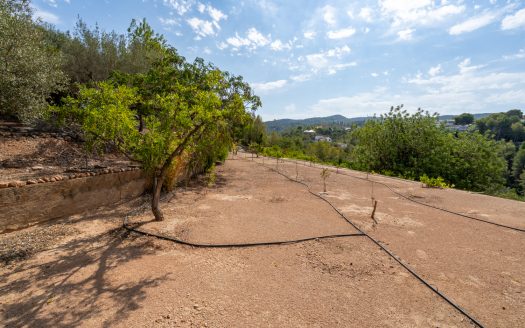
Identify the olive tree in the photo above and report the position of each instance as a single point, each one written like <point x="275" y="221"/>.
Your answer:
<point x="30" y="69"/>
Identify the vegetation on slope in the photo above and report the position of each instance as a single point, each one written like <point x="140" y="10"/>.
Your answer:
<point x="417" y="146"/>
<point x="130" y="93"/>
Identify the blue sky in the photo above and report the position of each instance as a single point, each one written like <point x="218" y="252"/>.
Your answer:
<point x="355" y="58"/>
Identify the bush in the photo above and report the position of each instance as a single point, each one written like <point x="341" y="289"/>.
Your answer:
<point x="434" y="182"/>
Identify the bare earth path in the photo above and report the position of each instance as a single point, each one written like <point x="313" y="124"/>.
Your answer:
<point x="104" y="277"/>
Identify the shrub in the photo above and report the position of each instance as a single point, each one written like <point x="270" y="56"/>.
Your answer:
<point x="434" y="182"/>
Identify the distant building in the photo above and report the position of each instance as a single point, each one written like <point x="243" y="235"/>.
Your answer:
<point x="309" y="131"/>
<point x="323" y="138"/>
<point x="452" y="126"/>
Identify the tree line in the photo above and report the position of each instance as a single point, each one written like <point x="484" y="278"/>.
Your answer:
<point x="129" y="93"/>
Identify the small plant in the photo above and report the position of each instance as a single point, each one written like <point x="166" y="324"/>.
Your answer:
<point x="325" y="173"/>
<point x="211" y="176"/>
<point x="434" y="182"/>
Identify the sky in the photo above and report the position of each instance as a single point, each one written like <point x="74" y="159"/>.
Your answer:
<point x="308" y="58"/>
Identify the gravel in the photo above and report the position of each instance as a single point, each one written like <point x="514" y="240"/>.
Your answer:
<point x="19" y="245"/>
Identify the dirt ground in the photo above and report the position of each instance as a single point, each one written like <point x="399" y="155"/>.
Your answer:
<point x="103" y="276"/>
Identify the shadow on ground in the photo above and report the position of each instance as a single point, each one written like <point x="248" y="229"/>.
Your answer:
<point x="74" y="286"/>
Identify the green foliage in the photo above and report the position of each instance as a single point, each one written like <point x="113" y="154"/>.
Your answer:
<point x="414" y="145"/>
<point x="508" y="126"/>
<point x="93" y="55"/>
<point x="434" y="182"/>
<point x="174" y="107"/>
<point x="211" y="176"/>
<point x="254" y="132"/>
<point x="30" y="67"/>
<point x="464" y="119"/>
<point x="518" y="167"/>
<point x="274" y="151"/>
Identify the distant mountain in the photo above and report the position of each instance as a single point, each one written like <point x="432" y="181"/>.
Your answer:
<point x="286" y="123"/>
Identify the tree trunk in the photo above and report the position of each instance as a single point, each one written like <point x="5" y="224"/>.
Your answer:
<point x="157" y="187"/>
<point x="160" y="176"/>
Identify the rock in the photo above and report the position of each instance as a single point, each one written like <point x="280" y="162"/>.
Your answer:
<point x="30" y="182"/>
<point x="37" y="167"/>
<point x="17" y="183"/>
<point x="4" y="185"/>
<point x="40" y="180"/>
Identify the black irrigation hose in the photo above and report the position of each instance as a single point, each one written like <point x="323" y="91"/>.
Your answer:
<point x="240" y="245"/>
<point x="392" y="255"/>
<point x="142" y="208"/>
<point x="422" y="203"/>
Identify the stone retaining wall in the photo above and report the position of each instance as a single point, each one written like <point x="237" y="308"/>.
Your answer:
<point x="24" y="204"/>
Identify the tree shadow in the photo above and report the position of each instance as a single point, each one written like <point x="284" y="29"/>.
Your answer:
<point x="78" y="284"/>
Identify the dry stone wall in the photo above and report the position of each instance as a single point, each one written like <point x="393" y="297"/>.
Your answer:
<point x="24" y="203"/>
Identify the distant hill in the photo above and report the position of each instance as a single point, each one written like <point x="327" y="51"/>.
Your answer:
<point x="286" y="123"/>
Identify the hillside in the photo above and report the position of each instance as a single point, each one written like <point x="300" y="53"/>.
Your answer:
<point x="286" y="123"/>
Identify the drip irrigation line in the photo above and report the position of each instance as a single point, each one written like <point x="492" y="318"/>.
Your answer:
<point x="392" y="255"/>
<point x="239" y="245"/>
<point x="144" y="206"/>
<point x="416" y="201"/>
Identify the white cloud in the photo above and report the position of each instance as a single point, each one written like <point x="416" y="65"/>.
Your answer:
<point x="514" y="21"/>
<point x="301" y="77"/>
<point x="329" y="61"/>
<point x="519" y="55"/>
<point x="309" y="35"/>
<point x="253" y="40"/>
<point x="338" y="67"/>
<point x="421" y="12"/>
<point x="215" y="13"/>
<point x="201" y="7"/>
<point x="267" y="6"/>
<point x="180" y="6"/>
<point x="406" y="34"/>
<point x="329" y="14"/>
<point x="222" y="45"/>
<point x="202" y="28"/>
<point x="341" y="34"/>
<point x="374" y="74"/>
<point x="351" y="106"/>
<point x="464" y="66"/>
<point x="366" y="14"/>
<point x="168" y="21"/>
<point x="45" y="16"/>
<point x="278" y="45"/>
<point x="268" y="86"/>
<point x="473" y="24"/>
<point x="433" y="71"/>
<point x="52" y="3"/>
<point x="257" y="38"/>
